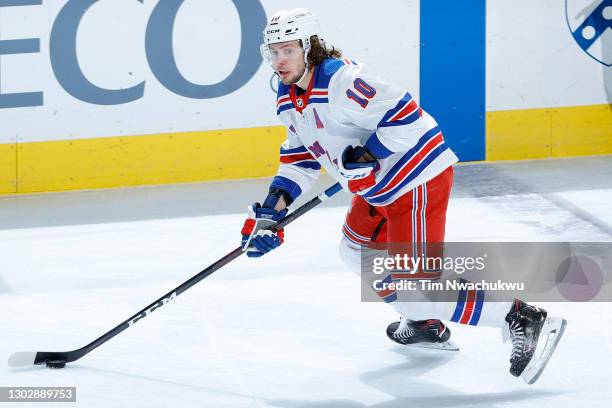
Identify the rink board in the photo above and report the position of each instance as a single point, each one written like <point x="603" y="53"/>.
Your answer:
<point x="244" y="153"/>
<point x="525" y="89"/>
<point x="552" y="132"/>
<point x="150" y="159"/>
<point x="8" y="168"/>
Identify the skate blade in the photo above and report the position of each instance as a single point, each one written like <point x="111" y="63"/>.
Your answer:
<point x="446" y="346"/>
<point x="551" y="333"/>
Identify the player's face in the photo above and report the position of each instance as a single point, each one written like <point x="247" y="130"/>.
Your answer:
<point x="287" y="60"/>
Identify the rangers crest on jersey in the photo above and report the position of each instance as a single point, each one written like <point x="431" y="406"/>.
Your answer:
<point x="590" y="23"/>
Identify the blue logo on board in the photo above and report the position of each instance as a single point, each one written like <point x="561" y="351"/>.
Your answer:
<point x="590" y="22"/>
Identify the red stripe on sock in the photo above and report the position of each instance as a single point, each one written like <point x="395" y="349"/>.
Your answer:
<point x="469" y="307"/>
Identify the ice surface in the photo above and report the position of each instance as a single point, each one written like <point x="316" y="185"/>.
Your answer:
<point x="287" y="330"/>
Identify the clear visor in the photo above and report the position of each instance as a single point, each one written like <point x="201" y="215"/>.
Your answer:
<point x="275" y="53"/>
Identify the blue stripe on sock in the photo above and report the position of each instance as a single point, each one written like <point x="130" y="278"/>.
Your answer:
<point x="460" y="306"/>
<point x="480" y="295"/>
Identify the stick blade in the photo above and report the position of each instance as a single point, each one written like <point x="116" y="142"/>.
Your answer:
<point x="22" y="359"/>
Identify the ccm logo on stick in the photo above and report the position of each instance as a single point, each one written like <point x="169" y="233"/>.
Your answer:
<point x="152" y="309"/>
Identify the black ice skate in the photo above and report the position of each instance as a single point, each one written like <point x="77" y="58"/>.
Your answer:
<point x="534" y="337"/>
<point x="431" y="334"/>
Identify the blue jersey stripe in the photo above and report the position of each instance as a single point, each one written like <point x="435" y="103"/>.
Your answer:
<point x="406" y="121"/>
<point x="283" y="90"/>
<point x="397" y="167"/>
<point x="318" y="100"/>
<point x="310" y="164"/>
<point x="400" y="105"/>
<point x="411" y="176"/>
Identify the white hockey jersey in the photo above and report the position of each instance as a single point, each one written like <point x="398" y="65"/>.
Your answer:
<point x="344" y="105"/>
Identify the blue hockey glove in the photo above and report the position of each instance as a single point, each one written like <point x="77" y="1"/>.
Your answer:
<point x="257" y="240"/>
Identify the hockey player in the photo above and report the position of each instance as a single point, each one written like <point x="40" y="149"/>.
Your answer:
<point x="373" y="138"/>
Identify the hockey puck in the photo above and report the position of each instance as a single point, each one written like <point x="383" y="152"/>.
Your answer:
<point x="56" y="364"/>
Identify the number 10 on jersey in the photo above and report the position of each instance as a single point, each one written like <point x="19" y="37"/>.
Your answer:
<point x="363" y="88"/>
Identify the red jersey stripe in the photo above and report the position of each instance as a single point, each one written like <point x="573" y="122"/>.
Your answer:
<point x="407" y="110"/>
<point x="412" y="163"/>
<point x="292" y="158"/>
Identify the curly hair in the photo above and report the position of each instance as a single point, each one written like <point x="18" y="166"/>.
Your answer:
<point x="319" y="51"/>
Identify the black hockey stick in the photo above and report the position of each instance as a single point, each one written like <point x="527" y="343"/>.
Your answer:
<point x="59" y="359"/>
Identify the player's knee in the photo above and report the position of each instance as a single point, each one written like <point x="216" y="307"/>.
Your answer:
<point x="350" y="253"/>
